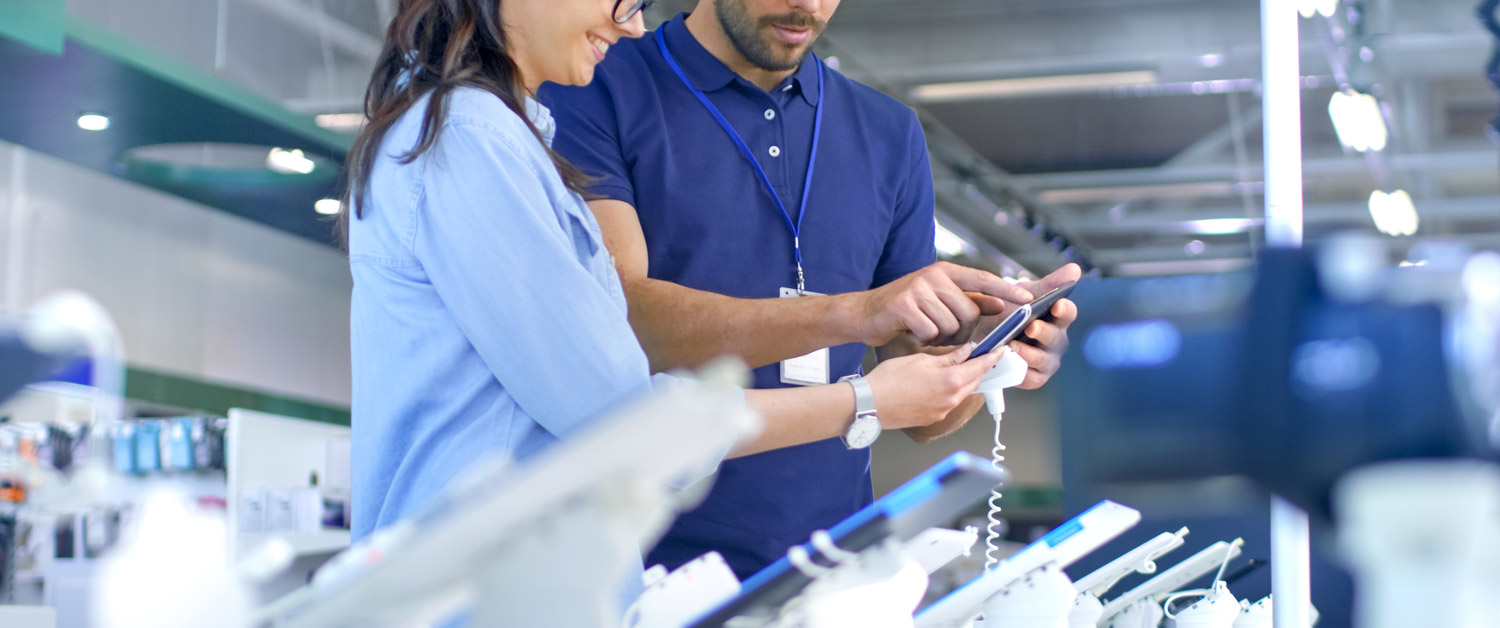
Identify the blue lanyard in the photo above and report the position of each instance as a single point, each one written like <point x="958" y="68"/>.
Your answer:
<point x="796" y="227"/>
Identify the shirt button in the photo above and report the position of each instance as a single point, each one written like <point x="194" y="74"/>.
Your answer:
<point x="770" y="114"/>
<point x="787" y="88"/>
<point x="775" y="151"/>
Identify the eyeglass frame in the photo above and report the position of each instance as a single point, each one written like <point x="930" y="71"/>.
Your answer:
<point x="640" y="6"/>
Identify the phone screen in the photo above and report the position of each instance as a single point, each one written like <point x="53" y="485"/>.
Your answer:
<point x="1012" y="326"/>
<point x="1005" y="332"/>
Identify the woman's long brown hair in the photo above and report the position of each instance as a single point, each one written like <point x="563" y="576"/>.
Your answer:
<point x="436" y="46"/>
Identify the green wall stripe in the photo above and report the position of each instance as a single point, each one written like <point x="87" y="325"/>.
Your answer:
<point x="202" y="83"/>
<point x="36" y="23"/>
<point x="185" y="392"/>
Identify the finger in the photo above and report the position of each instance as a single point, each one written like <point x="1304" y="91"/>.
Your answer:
<point x="957" y="356"/>
<point x="1069" y="273"/>
<point x="988" y="305"/>
<point x="1041" y="365"/>
<point x="1064" y="312"/>
<point x="910" y="316"/>
<point x="936" y="311"/>
<point x="975" y="280"/>
<point x="974" y="370"/>
<point x="964" y="311"/>
<point x="1047" y="335"/>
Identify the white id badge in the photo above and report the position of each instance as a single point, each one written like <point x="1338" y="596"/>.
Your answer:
<point x="808" y="370"/>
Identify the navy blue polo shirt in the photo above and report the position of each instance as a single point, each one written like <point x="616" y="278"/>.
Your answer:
<point x="710" y="224"/>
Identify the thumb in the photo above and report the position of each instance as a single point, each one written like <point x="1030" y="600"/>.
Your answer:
<point x="984" y="363"/>
<point x="957" y="356"/>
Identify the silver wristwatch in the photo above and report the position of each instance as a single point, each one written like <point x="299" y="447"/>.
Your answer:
<point x="866" y="427"/>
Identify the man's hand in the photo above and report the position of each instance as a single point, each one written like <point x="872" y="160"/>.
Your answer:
<point x="938" y="305"/>
<point x="1050" y="337"/>
<point x="1044" y="358"/>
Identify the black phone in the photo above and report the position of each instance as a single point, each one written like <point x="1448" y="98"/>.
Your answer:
<point x="1013" y="325"/>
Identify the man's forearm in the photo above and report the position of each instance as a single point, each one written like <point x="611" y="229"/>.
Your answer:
<point x="680" y="327"/>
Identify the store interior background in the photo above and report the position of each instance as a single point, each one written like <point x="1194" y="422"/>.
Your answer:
<point x="1121" y="134"/>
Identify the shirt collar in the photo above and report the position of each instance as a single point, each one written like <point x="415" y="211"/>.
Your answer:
<point x="708" y="73"/>
<point x="541" y="118"/>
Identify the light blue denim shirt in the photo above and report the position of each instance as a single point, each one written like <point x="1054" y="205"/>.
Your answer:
<point x="487" y="316"/>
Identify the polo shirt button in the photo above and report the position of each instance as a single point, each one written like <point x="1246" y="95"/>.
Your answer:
<point x="770" y="114"/>
<point x="775" y="151"/>
<point x="787" y="88"/>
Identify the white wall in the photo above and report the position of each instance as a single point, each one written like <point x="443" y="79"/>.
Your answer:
<point x="195" y="291"/>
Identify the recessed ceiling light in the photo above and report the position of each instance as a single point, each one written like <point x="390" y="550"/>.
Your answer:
<point x="343" y="122"/>
<point x="289" y="161"/>
<point x="93" y="122"/>
<point x="328" y="206"/>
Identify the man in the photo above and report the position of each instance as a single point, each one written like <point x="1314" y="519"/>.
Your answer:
<point x="734" y="169"/>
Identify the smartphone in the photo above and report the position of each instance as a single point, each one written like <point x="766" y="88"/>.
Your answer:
<point x="1013" y="325"/>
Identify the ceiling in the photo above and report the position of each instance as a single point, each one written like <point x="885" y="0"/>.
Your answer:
<point x="1153" y="125"/>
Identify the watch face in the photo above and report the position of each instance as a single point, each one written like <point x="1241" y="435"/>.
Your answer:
<point x="863" y="433"/>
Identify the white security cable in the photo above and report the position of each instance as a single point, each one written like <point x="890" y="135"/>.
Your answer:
<point x="1009" y="372"/>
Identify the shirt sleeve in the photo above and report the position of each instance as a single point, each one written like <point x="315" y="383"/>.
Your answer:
<point x="910" y="244"/>
<point x="508" y="271"/>
<point x="588" y="134"/>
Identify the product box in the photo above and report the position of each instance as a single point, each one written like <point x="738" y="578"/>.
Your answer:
<point x="281" y="511"/>
<point x="252" y="511"/>
<point x="124" y="450"/>
<point x="147" y="446"/>
<point x="177" y="443"/>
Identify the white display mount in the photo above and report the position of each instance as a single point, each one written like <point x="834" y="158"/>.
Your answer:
<point x="1035" y="571"/>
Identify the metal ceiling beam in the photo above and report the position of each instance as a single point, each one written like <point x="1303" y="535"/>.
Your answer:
<point x="1240" y="251"/>
<point x="1452" y="161"/>
<point x="1483" y="208"/>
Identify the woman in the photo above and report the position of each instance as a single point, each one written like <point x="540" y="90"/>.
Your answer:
<point x="486" y="314"/>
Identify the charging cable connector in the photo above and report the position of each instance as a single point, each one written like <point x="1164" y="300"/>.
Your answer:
<point x="1009" y="373"/>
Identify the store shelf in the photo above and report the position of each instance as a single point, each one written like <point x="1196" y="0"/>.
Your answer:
<point x="327" y="541"/>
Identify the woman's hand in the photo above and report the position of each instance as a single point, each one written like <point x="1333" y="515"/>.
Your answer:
<point x="921" y="389"/>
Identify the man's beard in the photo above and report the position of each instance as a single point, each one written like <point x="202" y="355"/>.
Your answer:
<point x="745" y="33"/>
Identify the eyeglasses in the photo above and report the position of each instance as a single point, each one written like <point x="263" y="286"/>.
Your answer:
<point x="626" y="9"/>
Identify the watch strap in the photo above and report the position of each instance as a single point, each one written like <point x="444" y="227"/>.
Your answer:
<point x="864" y="396"/>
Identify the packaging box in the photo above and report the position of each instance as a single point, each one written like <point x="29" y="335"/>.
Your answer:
<point x="253" y="511"/>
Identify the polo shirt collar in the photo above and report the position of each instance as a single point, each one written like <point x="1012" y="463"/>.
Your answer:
<point x="708" y="73"/>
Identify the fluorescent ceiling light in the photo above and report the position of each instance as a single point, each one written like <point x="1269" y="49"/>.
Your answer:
<point x="1121" y="193"/>
<point x="345" y="122"/>
<point x="1195" y="266"/>
<point x="1357" y="121"/>
<point x="1325" y="8"/>
<point x="93" y="122"/>
<point x="1221" y="226"/>
<point x="950" y="244"/>
<point x="289" y="161"/>
<point x="328" y="206"/>
<point x="1394" y="213"/>
<point x="1030" y="86"/>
